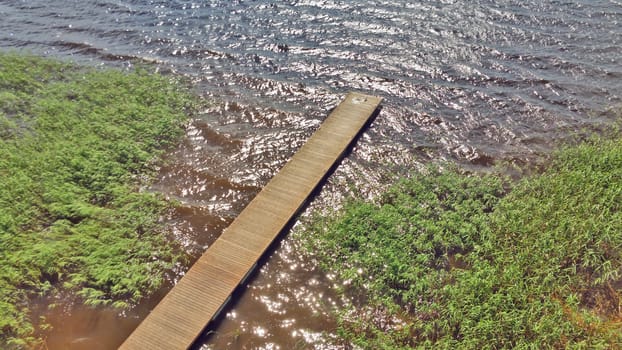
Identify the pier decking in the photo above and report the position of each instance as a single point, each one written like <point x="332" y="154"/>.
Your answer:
<point x="200" y="295"/>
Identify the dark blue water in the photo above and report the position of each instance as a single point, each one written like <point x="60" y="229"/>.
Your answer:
<point x="474" y="82"/>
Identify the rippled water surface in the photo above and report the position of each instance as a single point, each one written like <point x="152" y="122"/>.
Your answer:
<point x="476" y="82"/>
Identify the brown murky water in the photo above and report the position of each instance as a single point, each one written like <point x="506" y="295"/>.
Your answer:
<point x="474" y="82"/>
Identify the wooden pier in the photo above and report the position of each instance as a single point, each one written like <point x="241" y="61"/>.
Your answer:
<point x="182" y="315"/>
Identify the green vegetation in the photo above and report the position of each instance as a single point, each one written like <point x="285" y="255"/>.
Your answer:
<point x="76" y="145"/>
<point x="450" y="260"/>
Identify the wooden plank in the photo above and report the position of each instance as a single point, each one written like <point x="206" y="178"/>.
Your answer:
<point x="180" y="318"/>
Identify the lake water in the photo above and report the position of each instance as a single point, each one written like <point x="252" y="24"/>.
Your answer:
<point x="474" y="82"/>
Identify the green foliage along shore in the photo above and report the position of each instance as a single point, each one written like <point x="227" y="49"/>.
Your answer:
<point x="76" y="145"/>
<point x="446" y="260"/>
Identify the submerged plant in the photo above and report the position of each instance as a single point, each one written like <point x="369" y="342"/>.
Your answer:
<point x="76" y="146"/>
<point x="448" y="260"/>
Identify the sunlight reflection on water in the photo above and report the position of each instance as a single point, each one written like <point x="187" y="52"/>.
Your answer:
<point x="477" y="84"/>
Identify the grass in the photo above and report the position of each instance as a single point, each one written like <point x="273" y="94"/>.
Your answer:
<point x="450" y="260"/>
<point x="76" y="147"/>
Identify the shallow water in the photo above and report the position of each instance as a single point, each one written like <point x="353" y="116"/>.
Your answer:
<point x="475" y="82"/>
